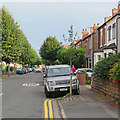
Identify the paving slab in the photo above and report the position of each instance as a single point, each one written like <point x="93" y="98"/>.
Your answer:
<point x="88" y="105"/>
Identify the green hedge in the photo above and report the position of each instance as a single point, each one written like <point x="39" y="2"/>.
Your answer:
<point x="102" y="68"/>
<point x="11" y="68"/>
<point x="115" y="72"/>
<point x="4" y="66"/>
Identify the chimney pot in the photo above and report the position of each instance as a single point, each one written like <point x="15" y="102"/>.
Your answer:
<point x="119" y="6"/>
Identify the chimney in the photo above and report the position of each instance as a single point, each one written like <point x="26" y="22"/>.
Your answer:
<point x="91" y="29"/>
<point x="119" y="6"/>
<point x="114" y="11"/>
<point x="107" y="18"/>
<point x="98" y="25"/>
<point x="84" y="33"/>
<point x="78" y="38"/>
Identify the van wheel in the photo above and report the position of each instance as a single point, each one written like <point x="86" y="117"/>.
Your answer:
<point x="47" y="93"/>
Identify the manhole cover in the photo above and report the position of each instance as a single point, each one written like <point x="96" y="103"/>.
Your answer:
<point x="30" y="84"/>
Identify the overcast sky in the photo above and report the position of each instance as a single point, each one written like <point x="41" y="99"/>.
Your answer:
<point x="38" y="20"/>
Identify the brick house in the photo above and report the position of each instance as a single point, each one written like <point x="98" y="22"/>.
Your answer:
<point x="108" y="36"/>
<point x="103" y="40"/>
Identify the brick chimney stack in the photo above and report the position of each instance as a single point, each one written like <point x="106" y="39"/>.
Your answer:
<point x="84" y="33"/>
<point x="114" y="11"/>
<point x="119" y="6"/>
<point x="91" y="29"/>
<point x="107" y="18"/>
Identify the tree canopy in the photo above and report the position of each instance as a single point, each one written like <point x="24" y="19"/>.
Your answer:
<point x="48" y="50"/>
<point x="77" y="56"/>
<point x="15" y="46"/>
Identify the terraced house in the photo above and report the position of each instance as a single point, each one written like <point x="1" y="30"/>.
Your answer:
<point x="103" y="40"/>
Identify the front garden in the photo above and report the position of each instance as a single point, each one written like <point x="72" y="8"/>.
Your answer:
<point x="106" y="77"/>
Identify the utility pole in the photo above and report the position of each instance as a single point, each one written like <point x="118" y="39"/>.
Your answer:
<point x="70" y="40"/>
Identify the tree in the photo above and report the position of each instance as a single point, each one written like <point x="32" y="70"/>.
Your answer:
<point x="48" y="50"/>
<point x="70" y="40"/>
<point x="77" y="56"/>
<point x="15" y="46"/>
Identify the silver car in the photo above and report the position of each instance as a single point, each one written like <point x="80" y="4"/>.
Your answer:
<point x="57" y="80"/>
<point x="37" y="70"/>
<point x="89" y="71"/>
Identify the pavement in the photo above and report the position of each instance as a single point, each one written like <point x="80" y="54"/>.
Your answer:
<point x="87" y="105"/>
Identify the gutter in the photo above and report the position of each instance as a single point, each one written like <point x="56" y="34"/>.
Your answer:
<point x="61" y="110"/>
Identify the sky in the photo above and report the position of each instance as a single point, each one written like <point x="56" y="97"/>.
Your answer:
<point x="39" y="19"/>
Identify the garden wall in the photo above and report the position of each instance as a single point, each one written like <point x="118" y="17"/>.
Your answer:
<point x="107" y="88"/>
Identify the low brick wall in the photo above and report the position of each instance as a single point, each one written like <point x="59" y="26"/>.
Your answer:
<point x="105" y="88"/>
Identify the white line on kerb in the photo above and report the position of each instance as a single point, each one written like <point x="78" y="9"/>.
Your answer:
<point x="1" y="94"/>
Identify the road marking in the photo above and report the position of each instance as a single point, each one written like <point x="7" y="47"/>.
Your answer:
<point x="48" y="109"/>
<point x="1" y="94"/>
<point x="31" y="84"/>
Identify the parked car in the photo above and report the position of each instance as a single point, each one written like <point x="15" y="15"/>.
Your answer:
<point x="19" y="71"/>
<point x="37" y="70"/>
<point x="57" y="80"/>
<point x="44" y="69"/>
<point x="25" y="70"/>
<point x="30" y="69"/>
<point x="88" y="71"/>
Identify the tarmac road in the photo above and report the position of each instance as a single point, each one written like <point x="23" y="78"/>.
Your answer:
<point x="23" y="96"/>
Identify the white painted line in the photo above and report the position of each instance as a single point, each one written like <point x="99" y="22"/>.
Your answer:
<point x="1" y="94"/>
<point x="31" y="84"/>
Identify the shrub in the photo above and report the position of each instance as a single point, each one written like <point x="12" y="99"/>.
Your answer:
<point x="102" y="68"/>
<point x="4" y="66"/>
<point x="115" y="72"/>
<point x="11" y="68"/>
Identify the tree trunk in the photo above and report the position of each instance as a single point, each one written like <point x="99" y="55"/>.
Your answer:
<point x="8" y="69"/>
<point x="14" y="69"/>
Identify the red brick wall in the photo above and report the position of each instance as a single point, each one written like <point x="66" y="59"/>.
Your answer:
<point x="86" y="45"/>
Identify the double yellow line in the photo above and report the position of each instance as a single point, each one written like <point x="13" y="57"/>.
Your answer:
<point x="48" y="109"/>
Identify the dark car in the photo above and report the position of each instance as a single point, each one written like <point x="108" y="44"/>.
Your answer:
<point x="25" y="70"/>
<point x="19" y="71"/>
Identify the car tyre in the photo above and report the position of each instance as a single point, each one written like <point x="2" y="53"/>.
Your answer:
<point x="47" y="93"/>
<point x="77" y="92"/>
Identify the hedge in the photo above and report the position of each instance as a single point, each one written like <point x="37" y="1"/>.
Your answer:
<point x="102" y="68"/>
